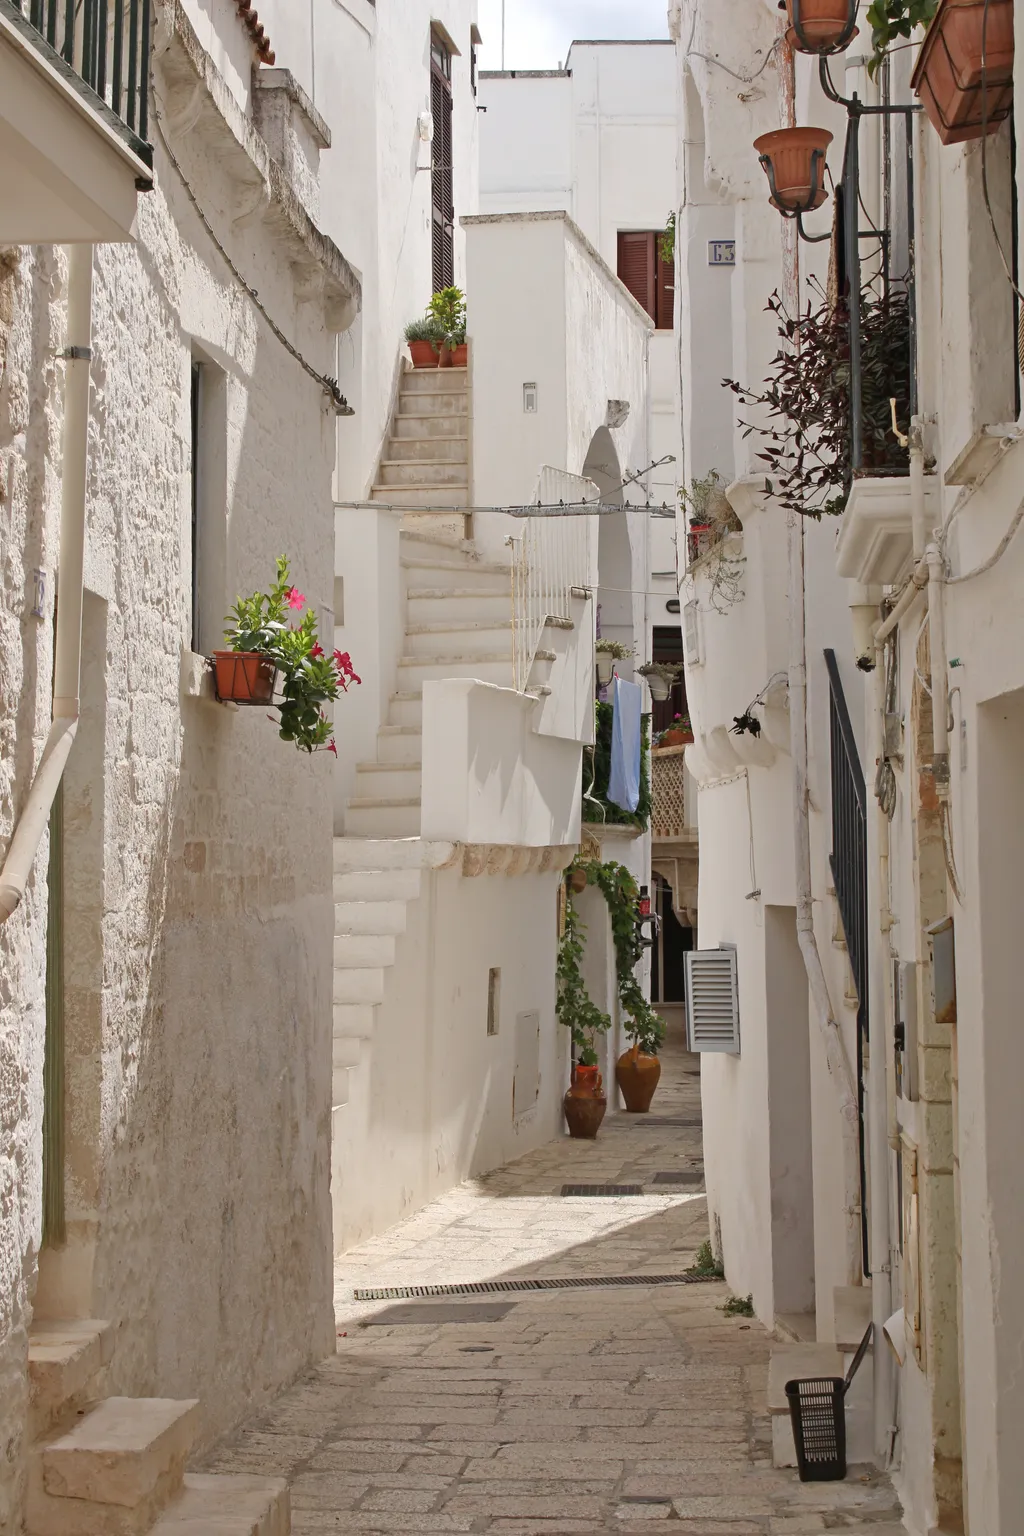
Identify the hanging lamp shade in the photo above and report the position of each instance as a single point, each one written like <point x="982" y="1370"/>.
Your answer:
<point x="793" y="159"/>
<point x="820" y="26"/>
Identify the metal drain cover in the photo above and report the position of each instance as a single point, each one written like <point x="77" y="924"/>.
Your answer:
<point x="429" y="1315"/>
<point x="667" y="1123"/>
<point x="542" y="1283"/>
<point x="679" y="1176"/>
<point x="584" y="1191"/>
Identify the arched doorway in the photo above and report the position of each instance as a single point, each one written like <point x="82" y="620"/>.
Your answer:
<point x="614" y="553"/>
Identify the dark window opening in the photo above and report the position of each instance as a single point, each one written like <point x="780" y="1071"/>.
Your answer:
<point x="668" y="967"/>
<point x="647" y="275"/>
<point x="667" y="646"/>
<point x="442" y="195"/>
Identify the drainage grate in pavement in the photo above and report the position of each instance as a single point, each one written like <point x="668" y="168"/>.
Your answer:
<point x="430" y="1316"/>
<point x="555" y="1283"/>
<point x="679" y="1176"/>
<point x="584" y="1191"/>
<point x="665" y="1122"/>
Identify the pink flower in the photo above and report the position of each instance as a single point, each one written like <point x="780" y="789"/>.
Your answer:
<point x="317" y="649"/>
<point x="331" y="747"/>
<point x="296" y="599"/>
<point x="343" y="662"/>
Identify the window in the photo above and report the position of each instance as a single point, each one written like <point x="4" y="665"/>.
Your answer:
<point x="646" y="273"/>
<point x="442" y="198"/>
<point x="208" y="421"/>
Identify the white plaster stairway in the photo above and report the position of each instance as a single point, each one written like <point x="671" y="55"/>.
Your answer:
<point x="115" y="1466"/>
<point x="426" y="458"/>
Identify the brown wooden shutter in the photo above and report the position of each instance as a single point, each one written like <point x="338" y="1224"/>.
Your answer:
<point x="636" y="266"/>
<point x="665" y="298"/>
<point x="442" y="185"/>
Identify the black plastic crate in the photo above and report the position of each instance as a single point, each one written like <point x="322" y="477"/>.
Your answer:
<point x="817" y="1409"/>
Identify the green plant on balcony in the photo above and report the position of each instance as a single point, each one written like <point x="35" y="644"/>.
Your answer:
<point x="805" y="404"/>
<point x="597" y="808"/>
<point x="447" y="309"/>
<point x="893" y="19"/>
<point x="711" y="518"/>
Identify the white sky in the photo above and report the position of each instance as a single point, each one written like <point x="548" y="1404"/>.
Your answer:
<point x="538" y="32"/>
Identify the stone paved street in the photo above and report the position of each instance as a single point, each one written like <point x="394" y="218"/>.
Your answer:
<point x="578" y="1410"/>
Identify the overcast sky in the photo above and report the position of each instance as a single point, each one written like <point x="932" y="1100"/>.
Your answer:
<point x="538" y="32"/>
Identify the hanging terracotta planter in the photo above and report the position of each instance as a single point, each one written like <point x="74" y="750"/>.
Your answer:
<point x="637" y="1075"/>
<point x="793" y="159"/>
<point x="826" y="25"/>
<point x="578" y="883"/>
<point x="964" y="75"/>
<point x="243" y="677"/>
<point x="584" y="1103"/>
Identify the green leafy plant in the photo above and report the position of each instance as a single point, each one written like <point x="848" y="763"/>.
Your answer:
<point x="613" y="648"/>
<point x="447" y="309"/>
<point x="891" y="19"/>
<point x="806" y="403"/>
<point x="679" y="723"/>
<point x="596" y="805"/>
<point x="622" y="895"/>
<point x="738" y="1306"/>
<point x="705" y="1264"/>
<point x="425" y="328"/>
<point x="667" y="240"/>
<point x="310" y="678"/>
<point x="574" y="1006"/>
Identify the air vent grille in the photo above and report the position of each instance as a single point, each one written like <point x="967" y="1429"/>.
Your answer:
<point x="712" y="1010"/>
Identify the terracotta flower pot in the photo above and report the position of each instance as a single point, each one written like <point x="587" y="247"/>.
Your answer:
<point x="950" y="75"/>
<point x="584" y="1103"/>
<point x="460" y="355"/>
<point x="422" y="354"/>
<point x="676" y="738"/>
<point x="243" y="677"/>
<point x="578" y="883"/>
<point x="796" y="160"/>
<point x="637" y="1075"/>
<point x="822" y="22"/>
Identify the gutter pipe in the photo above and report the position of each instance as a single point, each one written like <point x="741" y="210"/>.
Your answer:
<point x="67" y="654"/>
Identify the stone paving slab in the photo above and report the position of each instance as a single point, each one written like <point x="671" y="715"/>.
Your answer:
<point x="590" y="1410"/>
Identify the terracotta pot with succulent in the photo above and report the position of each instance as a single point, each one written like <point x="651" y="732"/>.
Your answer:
<point x="265" y="647"/>
<point x="424" y="341"/>
<point x="660" y="676"/>
<point x="678" y="734"/>
<point x="607" y="653"/>
<point x="584" y="1103"/>
<point x="447" y="309"/>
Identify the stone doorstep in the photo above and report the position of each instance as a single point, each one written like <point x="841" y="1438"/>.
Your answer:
<point x="228" y="1505"/>
<point x="852" y="1310"/>
<point x="63" y="1360"/>
<point x="121" y="1451"/>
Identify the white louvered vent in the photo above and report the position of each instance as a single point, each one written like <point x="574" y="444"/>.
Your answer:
<point x="691" y="634"/>
<point x="712" y="1007"/>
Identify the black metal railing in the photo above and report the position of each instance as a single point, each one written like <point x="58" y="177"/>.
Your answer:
<point x="849" y="861"/>
<point x="102" y="47"/>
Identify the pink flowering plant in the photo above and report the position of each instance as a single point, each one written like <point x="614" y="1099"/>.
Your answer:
<point x="310" y="677"/>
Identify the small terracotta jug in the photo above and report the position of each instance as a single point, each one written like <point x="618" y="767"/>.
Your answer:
<point x="584" y="1103"/>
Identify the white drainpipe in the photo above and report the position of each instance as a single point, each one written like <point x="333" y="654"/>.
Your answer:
<point x="835" y="1050"/>
<point x="67" y="655"/>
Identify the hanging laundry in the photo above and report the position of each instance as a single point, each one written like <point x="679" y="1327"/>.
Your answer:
<point x="624" y="777"/>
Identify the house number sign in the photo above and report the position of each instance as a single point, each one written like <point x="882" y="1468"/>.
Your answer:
<point x="721" y="253"/>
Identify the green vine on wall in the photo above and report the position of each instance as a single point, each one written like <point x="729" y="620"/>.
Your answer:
<point x="575" y="1008"/>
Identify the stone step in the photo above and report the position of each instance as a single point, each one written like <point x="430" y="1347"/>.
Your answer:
<point x="370" y="917"/>
<point x="428" y="426"/>
<point x="228" y="1505"/>
<point x="357" y="951"/>
<point x="64" y="1359"/>
<point x="426" y="606"/>
<point x="447" y="525"/>
<point x="432" y="381"/>
<point x="418" y="553"/>
<point x="364" y="986"/>
<point x="495" y="667"/>
<point x="446" y="636"/>
<point x="399" y="744"/>
<point x="114" y="1472"/>
<point x="370" y="885"/>
<point x="421" y="494"/>
<point x="450" y="446"/>
<point x="367" y="853"/>
<point x="388" y="781"/>
<point x="346" y="1050"/>
<point x="405" y="708"/>
<point x="421" y="472"/>
<point x="354" y="1021"/>
<point x="383" y="817"/>
<point x="790" y="1362"/>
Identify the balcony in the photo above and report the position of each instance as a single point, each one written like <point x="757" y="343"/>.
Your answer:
<point x="74" y="79"/>
<point x="673" y="797"/>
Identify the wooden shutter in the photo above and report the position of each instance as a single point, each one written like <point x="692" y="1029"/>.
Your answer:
<point x="665" y="296"/>
<point x="636" y="266"/>
<point x="712" y="1001"/>
<point x="442" y="197"/>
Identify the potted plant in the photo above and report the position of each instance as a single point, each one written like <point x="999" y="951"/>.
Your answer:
<point x="660" y="675"/>
<point x="678" y="734"/>
<point x="265" y="646"/>
<point x="825" y="26"/>
<point x="608" y="652"/>
<point x="447" y="309"/>
<point x="793" y="159"/>
<point x="584" y="1103"/>
<point x="964" y="75"/>
<point x="424" y="341"/>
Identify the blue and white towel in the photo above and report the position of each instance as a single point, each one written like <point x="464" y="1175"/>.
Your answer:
<point x="624" y="778"/>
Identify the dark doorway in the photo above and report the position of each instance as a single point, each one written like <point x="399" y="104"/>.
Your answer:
<point x="668" y="976"/>
<point x="667" y="646"/>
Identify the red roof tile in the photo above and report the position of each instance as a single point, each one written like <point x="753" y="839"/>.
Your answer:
<point x="261" y="42"/>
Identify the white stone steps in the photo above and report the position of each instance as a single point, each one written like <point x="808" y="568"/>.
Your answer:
<point x="114" y="1471"/>
<point x="432" y="556"/>
<point x="495" y="667"/>
<point x="358" y="986"/>
<point x="377" y="854"/>
<point x="399" y="744"/>
<point x="370" y="916"/>
<point x="383" y="817"/>
<point x="64" y="1359"/>
<point x="405" y="709"/>
<point x="346" y="1050"/>
<point x="228" y="1505"/>
<point x="452" y="406"/>
<point x="388" y="781"/>
<point x="490" y="637"/>
<point x="414" y="426"/>
<point x="451" y="447"/>
<point x="353" y="1021"/>
<point x="358" y="951"/>
<point x="420" y="472"/>
<point x="377" y="885"/>
<point x="422" y="495"/>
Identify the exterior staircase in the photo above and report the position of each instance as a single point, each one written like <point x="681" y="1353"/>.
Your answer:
<point x="115" y="1466"/>
<point x="426" y="458"/>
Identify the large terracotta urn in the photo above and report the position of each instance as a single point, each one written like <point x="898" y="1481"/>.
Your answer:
<point x="584" y="1103"/>
<point x="637" y="1075"/>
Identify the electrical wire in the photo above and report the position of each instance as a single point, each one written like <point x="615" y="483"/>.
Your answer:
<point x="984" y="155"/>
<point x="329" y="385"/>
<point x="997" y="553"/>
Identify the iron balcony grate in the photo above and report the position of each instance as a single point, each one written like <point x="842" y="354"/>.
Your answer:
<point x="585" y="1191"/>
<point x="491" y="1287"/>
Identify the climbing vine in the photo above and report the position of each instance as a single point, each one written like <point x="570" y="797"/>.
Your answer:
<point x="575" y="1008"/>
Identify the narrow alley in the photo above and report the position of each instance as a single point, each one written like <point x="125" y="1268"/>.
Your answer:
<point x="590" y="1408"/>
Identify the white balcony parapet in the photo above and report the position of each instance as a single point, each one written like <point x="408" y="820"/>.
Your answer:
<point x="876" y="538"/>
